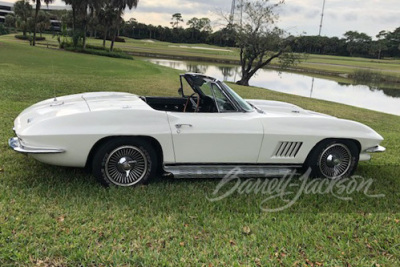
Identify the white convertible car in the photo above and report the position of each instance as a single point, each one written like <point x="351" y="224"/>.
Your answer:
<point x="127" y="139"/>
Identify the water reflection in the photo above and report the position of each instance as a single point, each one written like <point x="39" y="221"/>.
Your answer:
<point x="379" y="99"/>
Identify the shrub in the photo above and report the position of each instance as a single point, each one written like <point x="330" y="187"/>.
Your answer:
<point x="99" y="52"/>
<point x="372" y="78"/>
<point x="97" y="47"/>
<point x="117" y="39"/>
<point x="3" y="30"/>
<point x="29" y="38"/>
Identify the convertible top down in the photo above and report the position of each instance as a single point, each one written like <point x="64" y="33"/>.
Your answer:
<point x="205" y="132"/>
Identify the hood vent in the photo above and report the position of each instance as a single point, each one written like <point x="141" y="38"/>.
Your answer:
<point x="287" y="149"/>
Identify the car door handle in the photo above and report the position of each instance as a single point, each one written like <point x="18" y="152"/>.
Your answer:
<point x="178" y="126"/>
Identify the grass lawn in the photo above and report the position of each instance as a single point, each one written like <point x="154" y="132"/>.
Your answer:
<point x="62" y="216"/>
<point x="320" y="64"/>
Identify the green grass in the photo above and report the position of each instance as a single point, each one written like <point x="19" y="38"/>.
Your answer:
<point x="329" y="66"/>
<point x="62" y="216"/>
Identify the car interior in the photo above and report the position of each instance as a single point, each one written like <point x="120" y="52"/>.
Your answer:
<point x="203" y="96"/>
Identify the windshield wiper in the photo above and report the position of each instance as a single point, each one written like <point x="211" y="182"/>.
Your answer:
<point x="256" y="108"/>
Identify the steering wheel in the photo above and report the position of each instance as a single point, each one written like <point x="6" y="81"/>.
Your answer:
<point x="195" y="104"/>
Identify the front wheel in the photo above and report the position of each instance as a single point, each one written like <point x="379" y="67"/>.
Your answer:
<point x="333" y="159"/>
<point x="124" y="162"/>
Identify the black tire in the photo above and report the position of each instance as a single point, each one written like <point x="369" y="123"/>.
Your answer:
<point x="125" y="162"/>
<point x="333" y="159"/>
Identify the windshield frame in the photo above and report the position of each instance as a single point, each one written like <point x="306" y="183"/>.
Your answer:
<point x="236" y="100"/>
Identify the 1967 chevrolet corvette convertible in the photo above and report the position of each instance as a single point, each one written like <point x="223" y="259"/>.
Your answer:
<point x="127" y="139"/>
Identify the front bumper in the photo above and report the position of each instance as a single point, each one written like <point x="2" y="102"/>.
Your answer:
<point x="375" y="149"/>
<point x="16" y="145"/>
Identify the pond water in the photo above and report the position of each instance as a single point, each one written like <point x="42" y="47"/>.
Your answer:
<point x="378" y="99"/>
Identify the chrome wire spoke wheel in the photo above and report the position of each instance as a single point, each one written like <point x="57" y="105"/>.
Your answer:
<point x="126" y="166"/>
<point x="335" y="161"/>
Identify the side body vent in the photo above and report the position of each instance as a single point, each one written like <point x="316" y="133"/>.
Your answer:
<point x="287" y="149"/>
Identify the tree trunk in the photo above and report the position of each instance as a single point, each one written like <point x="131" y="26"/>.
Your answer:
<point x="73" y="18"/>
<point x="113" y="40"/>
<point x="35" y="21"/>
<point x="84" y="34"/>
<point x="105" y="38"/>
<point x="245" y="80"/>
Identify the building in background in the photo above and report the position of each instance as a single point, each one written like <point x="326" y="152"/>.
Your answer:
<point x="6" y="8"/>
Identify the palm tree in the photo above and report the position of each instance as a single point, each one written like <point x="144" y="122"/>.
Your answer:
<point x="75" y="6"/>
<point x="94" y="7"/>
<point x="84" y="11"/>
<point x="120" y="6"/>
<point x="106" y="18"/>
<point x="23" y="10"/>
<point x="38" y="4"/>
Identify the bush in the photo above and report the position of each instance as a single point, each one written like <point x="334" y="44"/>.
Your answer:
<point x="3" y="30"/>
<point x="97" y="47"/>
<point x="367" y="77"/>
<point x="29" y="38"/>
<point x="99" y="52"/>
<point x="117" y="39"/>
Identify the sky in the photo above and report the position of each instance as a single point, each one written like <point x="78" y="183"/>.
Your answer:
<point x="298" y="17"/>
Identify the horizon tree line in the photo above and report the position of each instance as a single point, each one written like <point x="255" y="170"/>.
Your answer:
<point x="103" y="18"/>
<point x="259" y="41"/>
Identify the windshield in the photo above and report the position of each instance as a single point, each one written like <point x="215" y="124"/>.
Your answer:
<point x="239" y="100"/>
<point x="225" y="98"/>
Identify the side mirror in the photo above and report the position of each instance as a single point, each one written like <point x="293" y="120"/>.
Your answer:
<point x="180" y="91"/>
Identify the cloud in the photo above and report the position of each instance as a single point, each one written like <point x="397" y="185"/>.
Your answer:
<point x="369" y="16"/>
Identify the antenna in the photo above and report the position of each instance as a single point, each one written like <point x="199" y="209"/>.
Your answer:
<point x="322" y="18"/>
<point x="54" y="87"/>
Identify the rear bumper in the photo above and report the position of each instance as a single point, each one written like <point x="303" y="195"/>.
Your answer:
<point x="16" y="145"/>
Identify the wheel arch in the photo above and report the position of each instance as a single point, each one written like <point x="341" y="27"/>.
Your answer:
<point x="151" y="140"/>
<point x="326" y="140"/>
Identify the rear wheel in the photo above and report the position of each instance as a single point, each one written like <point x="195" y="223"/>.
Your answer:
<point x="125" y="162"/>
<point x="333" y="159"/>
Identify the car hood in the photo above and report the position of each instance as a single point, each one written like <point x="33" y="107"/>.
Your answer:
<point x="282" y="108"/>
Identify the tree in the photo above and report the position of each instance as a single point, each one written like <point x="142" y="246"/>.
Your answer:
<point x="106" y="17"/>
<point x="43" y="22"/>
<point x="9" y="21"/>
<point x="74" y="5"/>
<point x="38" y="4"/>
<point x="120" y="6"/>
<point x="380" y="45"/>
<point x="89" y="10"/>
<point x="259" y="42"/>
<point x="358" y="44"/>
<point x="393" y="42"/>
<point x="175" y="20"/>
<point x="199" y="25"/>
<point x="84" y="13"/>
<point x="23" y="11"/>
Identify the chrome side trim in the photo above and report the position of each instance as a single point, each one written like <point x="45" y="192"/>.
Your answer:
<point x="16" y="145"/>
<point x="220" y="171"/>
<point x="375" y="149"/>
<point x="287" y="149"/>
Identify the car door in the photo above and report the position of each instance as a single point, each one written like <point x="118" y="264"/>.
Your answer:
<point x="233" y="137"/>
